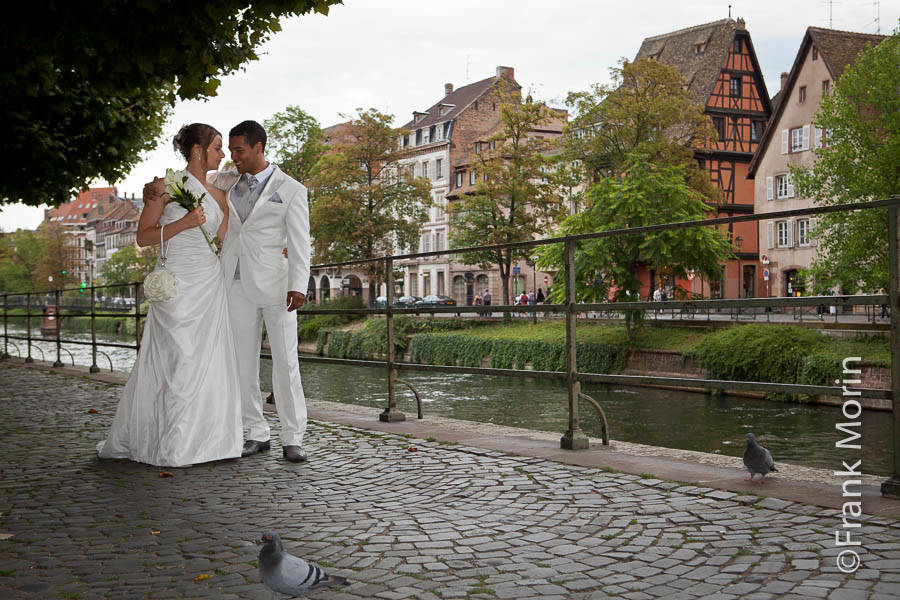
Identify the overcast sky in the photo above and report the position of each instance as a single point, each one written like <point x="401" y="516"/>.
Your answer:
<point x="396" y="56"/>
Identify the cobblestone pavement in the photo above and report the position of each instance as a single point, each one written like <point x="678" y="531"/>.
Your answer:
<point x="443" y="521"/>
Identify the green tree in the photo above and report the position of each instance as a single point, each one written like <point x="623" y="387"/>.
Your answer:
<point x="58" y="255"/>
<point x="515" y="196"/>
<point x="365" y="204"/>
<point x="606" y="268"/>
<point x="646" y="114"/>
<point x="295" y="141"/>
<point x="128" y="265"/>
<point x="860" y="161"/>
<point x="87" y="86"/>
<point x="20" y="253"/>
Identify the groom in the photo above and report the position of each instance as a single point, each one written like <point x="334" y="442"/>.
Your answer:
<point x="268" y="212"/>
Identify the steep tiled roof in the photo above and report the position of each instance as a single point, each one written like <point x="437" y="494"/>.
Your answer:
<point x="697" y="52"/>
<point x="837" y="48"/>
<point x="453" y="104"/>
<point x="77" y="211"/>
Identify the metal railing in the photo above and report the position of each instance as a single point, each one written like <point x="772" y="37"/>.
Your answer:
<point x="574" y="437"/>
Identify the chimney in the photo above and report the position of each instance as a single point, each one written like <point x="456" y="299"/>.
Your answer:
<point x="505" y="72"/>
<point x="448" y="89"/>
<point x="741" y="24"/>
<point x="784" y="78"/>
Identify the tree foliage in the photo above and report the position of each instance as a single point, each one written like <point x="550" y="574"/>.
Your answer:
<point x="365" y="204"/>
<point x="515" y="197"/>
<point x="295" y="141"/>
<point x="20" y="254"/>
<point x="87" y="86"/>
<point x="646" y="114"/>
<point x="860" y="161"/>
<point x="606" y="268"/>
<point x="128" y="265"/>
<point x="59" y="254"/>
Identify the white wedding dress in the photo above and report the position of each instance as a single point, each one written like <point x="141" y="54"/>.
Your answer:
<point x="181" y="404"/>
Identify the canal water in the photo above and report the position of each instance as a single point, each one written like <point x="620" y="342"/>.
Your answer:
<point x="802" y="434"/>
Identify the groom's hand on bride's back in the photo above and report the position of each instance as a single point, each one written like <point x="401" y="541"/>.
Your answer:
<point x="295" y="300"/>
<point x="154" y="189"/>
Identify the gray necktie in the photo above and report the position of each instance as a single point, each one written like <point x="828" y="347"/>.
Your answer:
<point x="252" y="181"/>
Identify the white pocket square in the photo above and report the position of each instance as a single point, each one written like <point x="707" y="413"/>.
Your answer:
<point x="276" y="198"/>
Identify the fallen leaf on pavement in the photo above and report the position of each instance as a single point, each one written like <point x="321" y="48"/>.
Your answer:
<point x="166" y="474"/>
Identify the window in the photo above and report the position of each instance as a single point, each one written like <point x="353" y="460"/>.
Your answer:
<point x="754" y="131"/>
<point x="826" y="85"/>
<point x="440" y="283"/>
<point x="426" y="284"/>
<point x="802" y="97"/>
<point x="472" y="177"/>
<point x="815" y="53"/>
<point x="784" y="231"/>
<point x="439" y="168"/>
<point x="431" y="133"/>
<point x="425" y="170"/>
<point x="719" y="124"/>
<point x="800" y="138"/>
<point x="418" y="137"/>
<point x="735" y="86"/>
<point x="803" y="232"/>
<point x="784" y="186"/>
<point x="492" y="145"/>
<point x="698" y="48"/>
<point x="477" y="146"/>
<point x="459" y="178"/>
<point x="439" y="242"/>
<point x="737" y="45"/>
<point x="446" y="130"/>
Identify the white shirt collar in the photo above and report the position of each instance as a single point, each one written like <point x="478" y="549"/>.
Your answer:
<point x="264" y="175"/>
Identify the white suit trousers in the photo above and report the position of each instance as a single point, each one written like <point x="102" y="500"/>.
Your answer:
<point x="281" y="326"/>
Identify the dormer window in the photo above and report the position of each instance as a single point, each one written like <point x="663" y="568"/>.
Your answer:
<point x="699" y="48"/>
<point x="815" y="53"/>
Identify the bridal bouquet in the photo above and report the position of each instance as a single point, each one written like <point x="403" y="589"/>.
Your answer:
<point x="175" y="181"/>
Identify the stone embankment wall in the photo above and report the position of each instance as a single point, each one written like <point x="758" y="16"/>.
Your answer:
<point x="672" y="363"/>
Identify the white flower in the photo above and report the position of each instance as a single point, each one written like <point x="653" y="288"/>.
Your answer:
<point x="160" y="285"/>
<point x="174" y="180"/>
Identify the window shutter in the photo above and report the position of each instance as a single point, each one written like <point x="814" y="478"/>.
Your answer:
<point x="806" y="137"/>
<point x="784" y="141"/>
<point x="770" y="234"/>
<point x="817" y="142"/>
<point x="791" y="224"/>
<point x="770" y="188"/>
<point x="790" y="186"/>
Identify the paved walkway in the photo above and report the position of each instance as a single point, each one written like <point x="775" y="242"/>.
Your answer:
<point x="400" y="517"/>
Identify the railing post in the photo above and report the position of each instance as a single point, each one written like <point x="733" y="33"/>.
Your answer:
<point x="58" y="324"/>
<point x="94" y="368"/>
<point x="390" y="414"/>
<point x="28" y="358"/>
<point x="574" y="438"/>
<point x="891" y="487"/>
<point x="5" y="354"/>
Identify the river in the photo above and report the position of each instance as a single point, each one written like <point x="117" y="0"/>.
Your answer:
<point x="802" y="434"/>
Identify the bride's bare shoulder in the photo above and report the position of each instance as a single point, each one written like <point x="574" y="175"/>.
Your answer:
<point x="217" y="194"/>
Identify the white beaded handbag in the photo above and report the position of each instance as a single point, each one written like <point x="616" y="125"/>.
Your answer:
<point x="160" y="285"/>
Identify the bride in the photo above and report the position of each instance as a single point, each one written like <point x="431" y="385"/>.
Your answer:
<point x="181" y="404"/>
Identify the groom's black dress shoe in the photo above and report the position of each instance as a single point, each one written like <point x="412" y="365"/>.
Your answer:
<point x="251" y="447"/>
<point x="294" y="454"/>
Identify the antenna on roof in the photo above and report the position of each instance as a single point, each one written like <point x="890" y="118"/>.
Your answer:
<point x="729" y="11"/>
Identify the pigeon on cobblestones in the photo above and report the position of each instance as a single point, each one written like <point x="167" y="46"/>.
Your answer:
<point x="757" y="459"/>
<point x="284" y="573"/>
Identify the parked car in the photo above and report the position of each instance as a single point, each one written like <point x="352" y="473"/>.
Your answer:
<point x="406" y="301"/>
<point x="435" y="300"/>
<point x="381" y="302"/>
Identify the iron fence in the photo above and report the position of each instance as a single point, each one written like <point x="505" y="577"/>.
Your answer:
<point x="574" y="438"/>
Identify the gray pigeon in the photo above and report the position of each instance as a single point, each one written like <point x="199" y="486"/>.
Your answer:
<point x="757" y="459"/>
<point x="284" y="573"/>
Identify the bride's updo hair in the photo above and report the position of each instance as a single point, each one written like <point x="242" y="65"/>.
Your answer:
<point x="195" y="134"/>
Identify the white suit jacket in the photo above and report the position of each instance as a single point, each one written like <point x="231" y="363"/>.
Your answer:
<point x="279" y="219"/>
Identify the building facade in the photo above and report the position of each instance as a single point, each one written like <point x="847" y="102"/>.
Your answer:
<point x="719" y="66"/>
<point x="792" y="139"/>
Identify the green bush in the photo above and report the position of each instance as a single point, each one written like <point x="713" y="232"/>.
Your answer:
<point x="338" y="344"/>
<point x="308" y="326"/>
<point x="781" y="354"/>
<point x="321" y="340"/>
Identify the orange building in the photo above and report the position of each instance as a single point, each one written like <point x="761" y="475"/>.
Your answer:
<point x="719" y="65"/>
